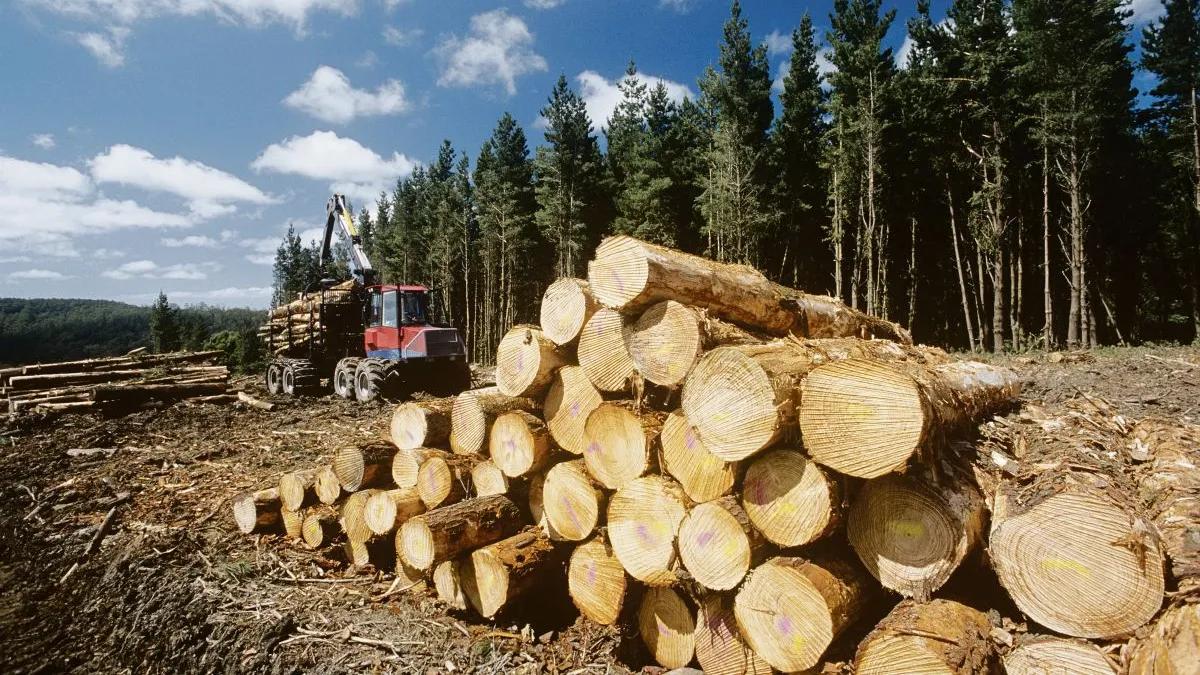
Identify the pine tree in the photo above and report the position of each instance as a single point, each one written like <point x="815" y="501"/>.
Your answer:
<point x="164" y="326"/>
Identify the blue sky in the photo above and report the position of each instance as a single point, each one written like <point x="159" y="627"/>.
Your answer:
<point x="167" y="144"/>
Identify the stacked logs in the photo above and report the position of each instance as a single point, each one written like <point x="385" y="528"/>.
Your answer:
<point x="746" y="472"/>
<point x="304" y="319"/>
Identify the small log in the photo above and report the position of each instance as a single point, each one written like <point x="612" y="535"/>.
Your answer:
<point x="497" y="574"/>
<point x="364" y="465"/>
<point x="406" y="465"/>
<point x="567" y="304"/>
<point x="603" y="350"/>
<point x="571" y="398"/>
<point x="669" y="337"/>
<point x="525" y="362"/>
<point x="447" y="579"/>
<point x="703" y="475"/>
<point x="941" y="637"/>
<point x="790" y="499"/>
<point x="320" y="528"/>
<point x="572" y="500"/>
<point x="790" y="609"/>
<point x="253" y="402"/>
<point x="718" y="545"/>
<point x="353" y="515"/>
<point x="216" y="399"/>
<point x="327" y="486"/>
<point x="668" y="627"/>
<point x="643" y="522"/>
<point x="475" y="411"/>
<point x="619" y="445"/>
<point x="422" y="424"/>
<point x="596" y="581"/>
<point x="442" y="481"/>
<point x="257" y="511"/>
<point x="65" y="407"/>
<point x="297" y="490"/>
<point x="1167" y="646"/>
<point x="488" y="479"/>
<point x="519" y="444"/>
<point x="293" y="523"/>
<point x="720" y="649"/>
<point x="378" y="553"/>
<point x="445" y="533"/>
<point x="1043" y="654"/>
<point x="387" y="510"/>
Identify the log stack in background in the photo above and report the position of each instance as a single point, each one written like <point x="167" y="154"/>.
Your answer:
<point x="799" y="471"/>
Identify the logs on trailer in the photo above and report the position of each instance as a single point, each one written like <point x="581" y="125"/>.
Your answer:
<point x="321" y="528"/>
<point x="603" y="350"/>
<point x="327" y="486"/>
<point x="668" y="338"/>
<point x="703" y="475"/>
<point x="619" y="445"/>
<point x="422" y="424"/>
<point x="297" y="490"/>
<point x="1168" y="646"/>
<point x="519" y="444"/>
<point x="1043" y="654"/>
<point x="447" y="580"/>
<point x="567" y="304"/>
<point x="354" y="515"/>
<point x="497" y="574"/>
<point x="473" y="414"/>
<point x="643" y="522"/>
<point x="941" y="637"/>
<point x="720" y="649"/>
<point x="444" y="533"/>
<point x="1074" y="557"/>
<point x="387" y="510"/>
<point x="866" y="419"/>
<point x="790" y="499"/>
<point x="406" y="465"/>
<point x="257" y="511"/>
<point x="596" y="581"/>
<point x="718" y="545"/>
<point x="525" y="362"/>
<point x="572" y="397"/>
<point x="365" y="465"/>
<point x="572" y="500"/>
<point x="668" y="627"/>
<point x="442" y="481"/>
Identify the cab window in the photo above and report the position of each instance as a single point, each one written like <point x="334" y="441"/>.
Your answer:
<point x="390" y="319"/>
<point x="376" y="317"/>
<point x="413" y="309"/>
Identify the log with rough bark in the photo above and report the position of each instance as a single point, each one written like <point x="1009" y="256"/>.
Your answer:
<point x="703" y="475"/>
<point x="257" y="511"/>
<point x="422" y="424"/>
<point x="525" y="362"/>
<point x="603" y="350"/>
<point x="445" y="533"/>
<point x="567" y="304"/>
<point x="1074" y="555"/>
<point x="912" y="531"/>
<point x="572" y="397"/>
<point x="596" y="581"/>
<point x="1168" y="646"/>
<point x="293" y="523"/>
<point x="941" y="637"/>
<point x="447" y="580"/>
<point x="865" y="419"/>
<point x="720" y="649"/>
<point x="742" y="398"/>
<point x="643" y="523"/>
<point x="475" y="411"/>
<point x="444" y="480"/>
<point x="364" y="465"/>
<point x="572" y="500"/>
<point x="519" y="444"/>
<point x="619" y="444"/>
<point x="790" y="609"/>
<point x="1038" y="655"/>
<point x="387" y="510"/>
<point x="55" y="380"/>
<point x="297" y="489"/>
<point x="354" y="515"/>
<point x="127" y="362"/>
<point x="497" y="574"/>
<point x="249" y="400"/>
<point x="718" y="545"/>
<point x="320" y="528"/>
<point x="131" y="395"/>
<point x="668" y="627"/>
<point x="327" y="486"/>
<point x="790" y="499"/>
<point x="669" y="337"/>
<point x="1169" y="485"/>
<point x="407" y="463"/>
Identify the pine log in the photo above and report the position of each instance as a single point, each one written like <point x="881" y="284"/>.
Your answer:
<point x="941" y="637"/>
<point x="327" y="486"/>
<point x="572" y="500"/>
<point x="406" y="465"/>
<point x="619" y="444"/>
<point x="572" y="397"/>
<point x="669" y="337"/>
<point x="445" y="533"/>
<point x="1075" y="556"/>
<point x="525" y="362"/>
<point x="354" y="515"/>
<point x="376" y="552"/>
<point x="249" y="400"/>
<point x="475" y="411"/>
<point x="127" y="362"/>
<point x="257" y="511"/>
<point x="643" y="523"/>
<point x="68" y="406"/>
<point x="720" y="649"/>
<point x="596" y="581"/>
<point x="320" y="528"/>
<point x="866" y="419"/>
<point x="443" y="481"/>
<point x="603" y="350"/>
<point x="293" y="523"/>
<point x="1043" y="654"/>
<point x="790" y="499"/>
<point x="297" y="490"/>
<point x="130" y="395"/>
<point x="364" y="465"/>
<point x="718" y="545"/>
<point x="422" y="424"/>
<point x="790" y="610"/>
<point x="447" y="579"/>
<point x="668" y="627"/>
<point x="497" y="574"/>
<point x="1169" y="485"/>
<point x="488" y="479"/>
<point x="519" y="444"/>
<point x="567" y="304"/>
<point x="1170" y="645"/>
<point x="387" y="510"/>
<point x="703" y="475"/>
<point x="32" y="382"/>
<point x="742" y="398"/>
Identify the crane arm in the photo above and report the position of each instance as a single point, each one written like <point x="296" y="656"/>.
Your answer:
<point x="336" y="212"/>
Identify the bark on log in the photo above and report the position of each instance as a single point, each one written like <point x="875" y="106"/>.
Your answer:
<point x="447" y="579"/>
<point x="790" y="499"/>
<point x="444" y="481"/>
<point x="703" y="475"/>
<point x="742" y="398"/>
<point x="596" y="581"/>
<point x="525" y="362"/>
<point x="669" y="337"/>
<point x="519" y="444"/>
<point x="327" y="486"/>
<point x="406" y="465"/>
<point x="475" y="411"/>
<point x="866" y="419"/>
<point x="387" y="510"/>
<point x="1169" y="646"/>
<point x="423" y="424"/>
<point x="364" y="465"/>
<point x="445" y="533"/>
<point x="33" y="382"/>
<point x="257" y="511"/>
<point x="567" y="304"/>
<point x="321" y="528"/>
<point x="941" y="637"/>
<point x="297" y="490"/>
<point x="253" y="402"/>
<point x="1170" y="487"/>
<point x="354" y="515"/>
<point x="643" y="523"/>
<point x="1044" y="654"/>
<point x="718" y="545"/>
<point x="619" y="444"/>
<point x="497" y="574"/>
<point x="572" y="500"/>
<point x="130" y="395"/>
<point x="668" y="627"/>
<point x="720" y="649"/>
<point x="572" y="397"/>
<point x="603" y="350"/>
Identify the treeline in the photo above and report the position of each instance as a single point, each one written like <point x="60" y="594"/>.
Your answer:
<point x="1001" y="190"/>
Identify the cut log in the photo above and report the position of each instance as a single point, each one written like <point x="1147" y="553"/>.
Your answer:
<point x="572" y="500"/>
<point x="629" y="274"/>
<point x="643" y="522"/>
<point x="790" y="499"/>
<point x="941" y="637"/>
<point x="866" y="419"/>
<point x="377" y="552"/>
<point x="790" y="610"/>
<point x="1074" y="557"/>
<point x="703" y="475"/>
<point x="354" y="515"/>
<point x="387" y="510"/>
<point x="488" y="479"/>
<point x="525" y="362"/>
<point x="406" y="465"/>
<point x="603" y="350"/>
<point x="31" y="382"/>
<point x="445" y="533"/>
<point x="448" y="582"/>
<point x="422" y="424"/>
<point x="1169" y="645"/>
<point x="132" y="395"/>
<point x="257" y="511"/>
<point x="1044" y="654"/>
<point x="475" y="411"/>
<point x="718" y="545"/>
<point x="497" y="574"/>
<point x="293" y="523"/>
<point x="742" y="398"/>
<point x="253" y="402"/>
<point x="669" y="337"/>
<point x="1170" y="487"/>
<point x="297" y="490"/>
<point x="912" y="531"/>
<point x="321" y="529"/>
<point x="571" y="399"/>
<point x="327" y="486"/>
<point x="668" y="627"/>
<point x="365" y="465"/>
<point x="619" y="445"/>
<point x="596" y="581"/>
<point x="720" y="649"/>
<point x="519" y="444"/>
<point x="567" y="304"/>
<point x="442" y="481"/>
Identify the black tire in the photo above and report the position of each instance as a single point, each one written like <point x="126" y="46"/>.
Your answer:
<point x="306" y="380"/>
<point x="343" y="378"/>
<point x="274" y="379"/>
<point x="370" y="379"/>
<point x="289" y="380"/>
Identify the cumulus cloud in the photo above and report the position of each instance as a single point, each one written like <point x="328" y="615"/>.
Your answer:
<point x="262" y="251"/>
<point x="543" y="4"/>
<point x="109" y="49"/>
<point x="601" y="95"/>
<point x="107" y="253"/>
<point x="681" y="6"/>
<point x="901" y="55"/>
<point x="352" y="168"/>
<point x="148" y="269"/>
<point x="293" y="13"/>
<point x="498" y="50"/>
<point x="46" y="275"/>
<point x="399" y="37"/>
<point x="368" y="60"/>
<point x="328" y="96"/>
<point x="191" y="240"/>
<point x="43" y="141"/>
<point x="255" y="297"/>
<point x="1144" y="11"/>
<point x="778" y="43"/>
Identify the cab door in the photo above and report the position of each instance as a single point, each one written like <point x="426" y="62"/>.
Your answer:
<point x="382" y="335"/>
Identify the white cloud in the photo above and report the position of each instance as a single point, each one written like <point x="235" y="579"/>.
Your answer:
<point x="40" y="180"/>
<point x="8" y="260"/>
<point x="329" y="97"/>
<point x="1144" y="11"/>
<point x="293" y="13"/>
<point x="368" y="60"/>
<point x="36" y="274"/>
<point x="191" y="240"/>
<point x="498" y="50"/>
<point x="209" y="192"/>
<point x="681" y="6"/>
<point x="543" y="4"/>
<point x="901" y="55"/>
<point x="778" y="43"/>
<point x="262" y="251"/>
<point x="148" y="269"/>
<point x="43" y="141"/>
<point x="825" y="68"/>
<point x="107" y="253"/>
<point x="399" y="37"/>
<point x="601" y="95"/>
<point x="109" y="49"/>
<point x="353" y="169"/>
<point x="255" y="297"/>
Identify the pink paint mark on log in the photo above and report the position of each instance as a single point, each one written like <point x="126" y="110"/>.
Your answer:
<point x="705" y="537"/>
<point x="571" y="512"/>
<point x="689" y="439"/>
<point x="783" y="624"/>
<point x="716" y="624"/>
<point x="575" y="409"/>
<point x="593" y="448"/>
<point x="591" y="574"/>
<point x="511" y="444"/>
<point x="520" y="362"/>
<point x="644" y="534"/>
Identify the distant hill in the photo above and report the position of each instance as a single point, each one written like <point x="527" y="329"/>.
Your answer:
<point x="66" y="329"/>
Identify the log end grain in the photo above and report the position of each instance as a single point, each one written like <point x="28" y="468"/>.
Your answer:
<point x="790" y="499"/>
<point x="566" y="305"/>
<point x="571" y="500"/>
<point x="596" y="581"/>
<point x="257" y="511"/>
<point x="1059" y="655"/>
<point x="668" y="627"/>
<point x="731" y="401"/>
<point x="643" y="523"/>
<point x="720" y="649"/>
<point x="703" y="475"/>
<point x="572" y="397"/>
<point x="941" y="637"/>
<point x="617" y="451"/>
<point x="619" y="272"/>
<point x="714" y="546"/>
<point x="603" y="350"/>
<point x="665" y="342"/>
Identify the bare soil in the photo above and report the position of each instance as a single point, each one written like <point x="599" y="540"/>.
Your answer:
<point x="173" y="587"/>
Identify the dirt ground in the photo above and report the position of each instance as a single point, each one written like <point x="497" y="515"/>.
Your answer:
<point x="173" y="587"/>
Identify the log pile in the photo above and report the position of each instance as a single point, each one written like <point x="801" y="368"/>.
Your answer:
<point x="117" y="384"/>
<point x="305" y="319"/>
<point x="750" y="476"/>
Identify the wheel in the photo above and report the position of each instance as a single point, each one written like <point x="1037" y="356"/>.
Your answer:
<point x="274" y="379"/>
<point x="289" y="380"/>
<point x="343" y="377"/>
<point x="305" y="380"/>
<point x="369" y="379"/>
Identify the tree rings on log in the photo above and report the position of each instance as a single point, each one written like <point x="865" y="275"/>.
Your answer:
<point x="363" y="466"/>
<point x="442" y="534"/>
<point x="720" y="649"/>
<point x="669" y="336"/>
<point x="257" y="511"/>
<point x="603" y="350"/>
<point x="443" y="480"/>
<point x="473" y="414"/>
<point x="488" y="479"/>
<point x="618" y="445"/>
<point x="497" y="574"/>
<point x="941" y="637"/>
<point x="406" y="465"/>
<point x="717" y="544"/>
<point x="668" y="627"/>
<point x="572" y="397"/>
<point x="525" y="362"/>
<point x="1043" y="654"/>
<point x="572" y="500"/>
<point x="293" y="523"/>
<point x="596" y="581"/>
<point x="790" y="499"/>
<point x="703" y="475"/>
<point x="567" y="304"/>
<point x="327" y="486"/>
<point x="297" y="489"/>
<point x="354" y="515"/>
<point x="422" y="424"/>
<point x="448" y="582"/>
<point x="320" y="529"/>
<point x="643" y="522"/>
<point x="519" y="444"/>
<point x="387" y="510"/>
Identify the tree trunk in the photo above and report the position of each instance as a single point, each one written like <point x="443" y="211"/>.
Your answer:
<point x="444" y="480"/>
<point x="1047" y="298"/>
<point x="566" y="306"/>
<point x="720" y="649"/>
<point x="297" y="490"/>
<point x="572" y="500"/>
<point x="1038" y="654"/>
<point x="488" y="479"/>
<point x="570" y="401"/>
<point x="525" y="362"/>
<point x="619" y="445"/>
<point x="475" y="411"/>
<point x="998" y="301"/>
<point x="1170" y="487"/>
<point x="445" y="533"/>
<point x="520" y="444"/>
<point x="668" y="627"/>
<point x="790" y="499"/>
<point x="257" y="511"/>
<point x="387" y="510"/>
<point x="701" y="474"/>
<point x="643" y="522"/>
<point x="718" y="545"/>
<point x="596" y="581"/>
<point x="604" y="350"/>
<point x="497" y="574"/>
<point x="936" y="638"/>
<point x="668" y="338"/>
<point x="424" y="424"/>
